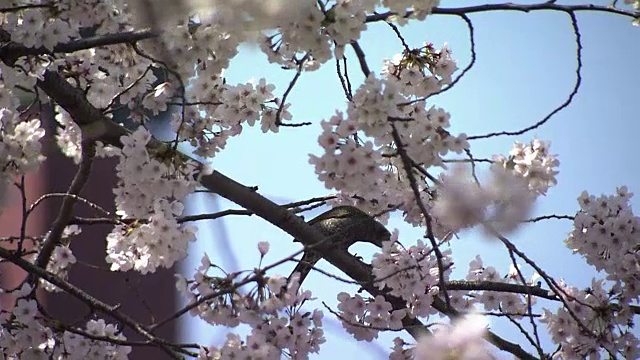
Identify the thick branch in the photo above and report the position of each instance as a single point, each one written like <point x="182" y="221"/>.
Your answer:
<point x="52" y="239"/>
<point x="12" y="51"/>
<point x="93" y="123"/>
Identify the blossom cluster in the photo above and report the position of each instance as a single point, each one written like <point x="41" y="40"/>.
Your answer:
<point x="20" y="148"/>
<point x="605" y="233"/>
<point x="365" y="318"/>
<point x="23" y="335"/>
<point x="61" y="259"/>
<point x="273" y="313"/>
<point x="311" y="31"/>
<point x="62" y="21"/>
<point x="154" y="191"/>
<point x="345" y="22"/>
<point x="68" y="136"/>
<point x="507" y="198"/>
<point x="533" y="162"/>
<point x="463" y="339"/>
<point x="412" y="274"/>
<point x="421" y="72"/>
<point x="355" y="166"/>
<point x="299" y="34"/>
<point x="33" y="29"/>
<point x="409" y="274"/>
<point x="504" y="202"/>
<point x="224" y="109"/>
<point x="371" y="169"/>
<point x="420" y="7"/>
<point x="514" y="304"/>
<point x="593" y="320"/>
<point x="20" y="132"/>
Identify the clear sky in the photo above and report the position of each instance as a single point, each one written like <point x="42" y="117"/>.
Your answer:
<point x="525" y="68"/>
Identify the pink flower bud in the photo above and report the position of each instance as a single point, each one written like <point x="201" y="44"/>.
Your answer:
<point x="263" y="247"/>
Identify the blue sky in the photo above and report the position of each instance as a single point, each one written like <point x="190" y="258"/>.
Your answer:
<point x="525" y="67"/>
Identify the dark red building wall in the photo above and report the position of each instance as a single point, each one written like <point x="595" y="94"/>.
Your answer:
<point x="144" y="298"/>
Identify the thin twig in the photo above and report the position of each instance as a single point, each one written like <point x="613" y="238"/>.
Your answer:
<point x="85" y="298"/>
<point x="407" y="162"/>
<point x="567" y="102"/>
<point x="544" y="6"/>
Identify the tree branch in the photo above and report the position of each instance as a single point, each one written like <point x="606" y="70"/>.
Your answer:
<point x="547" y="5"/>
<point x="52" y="239"/>
<point x="567" y="102"/>
<point x="85" y="298"/>
<point x="12" y="51"/>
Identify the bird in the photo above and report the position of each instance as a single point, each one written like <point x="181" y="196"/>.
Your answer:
<point x="344" y="226"/>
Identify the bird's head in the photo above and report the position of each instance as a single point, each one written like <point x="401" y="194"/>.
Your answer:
<point x="379" y="234"/>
